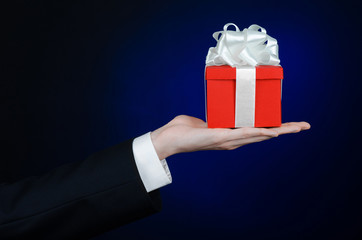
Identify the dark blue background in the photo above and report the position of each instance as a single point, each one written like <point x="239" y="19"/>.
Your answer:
<point x="82" y="76"/>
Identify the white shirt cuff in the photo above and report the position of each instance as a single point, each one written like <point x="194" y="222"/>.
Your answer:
<point x="154" y="172"/>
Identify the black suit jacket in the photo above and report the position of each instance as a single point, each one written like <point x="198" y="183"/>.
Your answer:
<point x="78" y="200"/>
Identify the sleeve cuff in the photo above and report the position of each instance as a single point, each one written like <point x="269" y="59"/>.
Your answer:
<point x="153" y="172"/>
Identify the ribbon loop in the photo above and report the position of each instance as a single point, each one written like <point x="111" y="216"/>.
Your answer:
<point x="216" y="35"/>
<point x="251" y="47"/>
<point x="257" y="28"/>
<point x="231" y="24"/>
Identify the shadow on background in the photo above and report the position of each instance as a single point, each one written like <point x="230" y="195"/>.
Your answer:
<point x="82" y="76"/>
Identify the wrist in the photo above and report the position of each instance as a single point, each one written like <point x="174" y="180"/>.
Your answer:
<point x="162" y="144"/>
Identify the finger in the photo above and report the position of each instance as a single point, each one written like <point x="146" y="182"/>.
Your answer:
<point x="241" y="142"/>
<point x="252" y="140"/>
<point x="288" y="128"/>
<point x="303" y="125"/>
<point x="249" y="132"/>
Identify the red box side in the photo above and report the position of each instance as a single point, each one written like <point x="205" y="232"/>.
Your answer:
<point x="220" y="103"/>
<point x="268" y="103"/>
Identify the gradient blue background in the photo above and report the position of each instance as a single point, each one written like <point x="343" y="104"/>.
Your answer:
<point x="82" y="76"/>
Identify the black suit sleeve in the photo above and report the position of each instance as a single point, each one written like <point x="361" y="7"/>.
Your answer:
<point x="78" y="200"/>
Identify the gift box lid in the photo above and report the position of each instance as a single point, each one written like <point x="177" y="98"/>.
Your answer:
<point x="227" y="72"/>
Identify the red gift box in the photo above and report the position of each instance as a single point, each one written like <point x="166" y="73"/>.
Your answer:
<point x="220" y="96"/>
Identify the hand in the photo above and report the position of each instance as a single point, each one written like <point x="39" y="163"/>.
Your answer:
<point x="189" y="134"/>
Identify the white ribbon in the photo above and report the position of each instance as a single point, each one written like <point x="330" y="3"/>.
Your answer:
<point x="245" y="97"/>
<point x="244" y="50"/>
<point x="252" y="47"/>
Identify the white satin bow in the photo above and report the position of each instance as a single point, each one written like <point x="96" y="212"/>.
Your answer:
<point x="252" y="47"/>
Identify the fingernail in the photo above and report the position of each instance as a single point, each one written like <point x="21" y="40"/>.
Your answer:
<point x="307" y="127"/>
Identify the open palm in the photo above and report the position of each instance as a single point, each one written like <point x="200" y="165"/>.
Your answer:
<point x="188" y="134"/>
